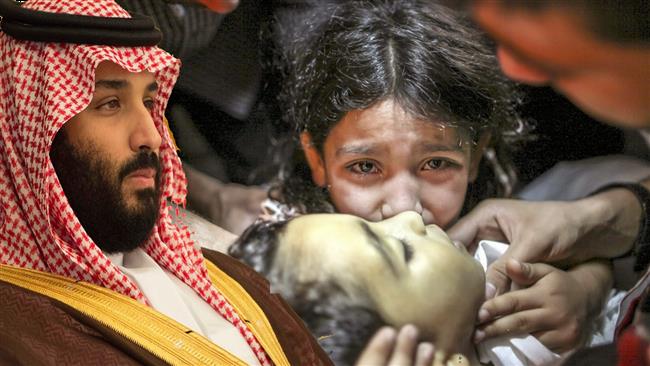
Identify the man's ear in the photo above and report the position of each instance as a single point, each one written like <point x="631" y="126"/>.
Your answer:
<point x="315" y="161"/>
<point x="477" y="155"/>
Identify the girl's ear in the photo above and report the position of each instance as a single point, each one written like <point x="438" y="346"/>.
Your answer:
<point x="314" y="160"/>
<point x="477" y="155"/>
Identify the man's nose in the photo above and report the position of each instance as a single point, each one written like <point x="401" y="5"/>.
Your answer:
<point x="518" y="70"/>
<point x="144" y="135"/>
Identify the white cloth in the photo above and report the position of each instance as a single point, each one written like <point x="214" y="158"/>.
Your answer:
<point x="524" y="349"/>
<point x="170" y="296"/>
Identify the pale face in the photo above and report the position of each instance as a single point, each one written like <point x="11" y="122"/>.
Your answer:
<point x="381" y="161"/>
<point x="118" y="125"/>
<point x="407" y="272"/>
<point x="607" y="80"/>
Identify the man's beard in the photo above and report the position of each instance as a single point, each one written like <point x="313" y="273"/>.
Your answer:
<point x="96" y="198"/>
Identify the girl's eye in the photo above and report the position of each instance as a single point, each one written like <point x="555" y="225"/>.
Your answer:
<point x="364" y="167"/>
<point x="436" y="164"/>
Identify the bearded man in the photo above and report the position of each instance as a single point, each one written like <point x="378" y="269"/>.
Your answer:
<point x="92" y="268"/>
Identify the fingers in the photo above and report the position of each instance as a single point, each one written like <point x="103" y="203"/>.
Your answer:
<point x="480" y="224"/>
<point x="464" y="231"/>
<point x="490" y="291"/>
<point x="424" y="355"/>
<point x="522" y="322"/>
<point x="379" y="348"/>
<point x="508" y="304"/>
<point x="506" y="270"/>
<point x="526" y="274"/>
<point x="459" y="244"/>
<point x="387" y="347"/>
<point x="541" y="323"/>
<point x="497" y="276"/>
<point x="405" y="346"/>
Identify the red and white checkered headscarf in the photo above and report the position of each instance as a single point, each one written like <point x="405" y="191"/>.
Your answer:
<point x="43" y="85"/>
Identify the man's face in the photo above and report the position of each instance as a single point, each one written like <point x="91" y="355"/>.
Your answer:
<point x="106" y="158"/>
<point x="553" y="46"/>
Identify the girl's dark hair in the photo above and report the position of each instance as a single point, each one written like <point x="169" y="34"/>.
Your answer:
<point x="424" y="56"/>
<point x="341" y="328"/>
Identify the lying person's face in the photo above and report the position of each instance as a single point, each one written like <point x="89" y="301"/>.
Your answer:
<point x="407" y="272"/>
<point x="106" y="159"/>
<point x="381" y="161"/>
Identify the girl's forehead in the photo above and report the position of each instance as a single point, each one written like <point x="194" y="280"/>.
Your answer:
<point x="396" y="133"/>
<point x="389" y="119"/>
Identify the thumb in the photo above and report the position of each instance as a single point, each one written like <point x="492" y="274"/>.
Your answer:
<point x="526" y="274"/>
<point x="479" y="224"/>
<point x="465" y="230"/>
<point x="497" y="276"/>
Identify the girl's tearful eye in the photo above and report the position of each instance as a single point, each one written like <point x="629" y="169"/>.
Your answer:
<point x="364" y="167"/>
<point x="435" y="164"/>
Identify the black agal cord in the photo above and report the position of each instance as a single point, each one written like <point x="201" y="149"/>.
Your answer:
<point x="41" y="26"/>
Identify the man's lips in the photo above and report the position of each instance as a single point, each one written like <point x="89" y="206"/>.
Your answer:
<point x="143" y="177"/>
<point x="143" y="173"/>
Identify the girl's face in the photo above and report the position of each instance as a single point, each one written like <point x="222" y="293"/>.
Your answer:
<point x="381" y="161"/>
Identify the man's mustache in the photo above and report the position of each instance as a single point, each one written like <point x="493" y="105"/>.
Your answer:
<point x="144" y="160"/>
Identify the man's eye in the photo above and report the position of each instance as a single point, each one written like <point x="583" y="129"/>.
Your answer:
<point x="149" y="104"/>
<point x="364" y="167"/>
<point x="111" y="105"/>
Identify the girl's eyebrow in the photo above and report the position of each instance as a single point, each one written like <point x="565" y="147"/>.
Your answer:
<point x="378" y="244"/>
<point x="373" y="149"/>
<point x="434" y="147"/>
<point x="357" y="149"/>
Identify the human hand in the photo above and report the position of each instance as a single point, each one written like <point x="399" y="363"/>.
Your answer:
<point x="554" y="307"/>
<point x="388" y="347"/>
<point x="231" y="206"/>
<point x="240" y="206"/>
<point x="554" y="232"/>
<point x="535" y="230"/>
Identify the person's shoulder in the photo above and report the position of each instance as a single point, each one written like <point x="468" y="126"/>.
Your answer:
<point x="234" y="268"/>
<point x="39" y="330"/>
